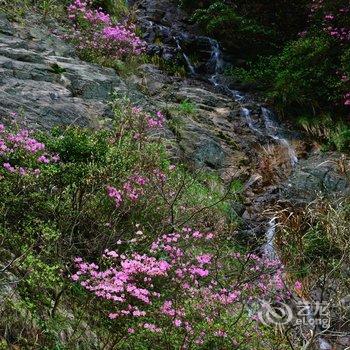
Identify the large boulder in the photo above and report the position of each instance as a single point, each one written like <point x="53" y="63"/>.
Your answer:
<point x="318" y="175"/>
<point x="43" y="83"/>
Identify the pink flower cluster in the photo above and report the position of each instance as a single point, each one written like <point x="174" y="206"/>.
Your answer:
<point x="146" y="121"/>
<point x="334" y="18"/>
<point x="115" y="195"/>
<point x="13" y="144"/>
<point x="94" y="30"/>
<point x="182" y="288"/>
<point x="95" y="17"/>
<point x="122" y="40"/>
<point x="156" y="121"/>
<point x="347" y="99"/>
<point x="132" y="189"/>
<point x="128" y="280"/>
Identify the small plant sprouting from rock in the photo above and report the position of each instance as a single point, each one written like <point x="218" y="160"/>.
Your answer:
<point x="57" y="69"/>
<point x="188" y="107"/>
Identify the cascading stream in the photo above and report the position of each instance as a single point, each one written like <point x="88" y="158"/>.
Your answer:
<point x="217" y="61"/>
<point x="186" y="58"/>
<point x="246" y="113"/>
<point x="268" y="248"/>
<point x="271" y="129"/>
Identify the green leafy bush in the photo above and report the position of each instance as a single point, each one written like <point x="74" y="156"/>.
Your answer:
<point x="305" y="74"/>
<point x="302" y="78"/>
<point x="238" y="33"/>
<point x="74" y="200"/>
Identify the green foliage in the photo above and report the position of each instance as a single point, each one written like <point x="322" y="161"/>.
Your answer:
<point x="245" y="34"/>
<point x="301" y="78"/>
<point x="116" y="8"/>
<point x="249" y="28"/>
<point x="295" y="52"/>
<point x="56" y="69"/>
<point x="259" y="73"/>
<point x="65" y="212"/>
<point x="187" y="107"/>
<point x="340" y="137"/>
<point x="17" y="9"/>
<point x="305" y="74"/>
<point x="175" y="68"/>
<point x="57" y="8"/>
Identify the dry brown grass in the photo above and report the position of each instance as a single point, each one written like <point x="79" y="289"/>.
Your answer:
<point x="274" y="164"/>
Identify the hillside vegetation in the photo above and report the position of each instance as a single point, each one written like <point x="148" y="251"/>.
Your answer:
<point x="111" y="240"/>
<point x="296" y="52"/>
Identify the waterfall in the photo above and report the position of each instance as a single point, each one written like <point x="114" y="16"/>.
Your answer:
<point x="217" y="61"/>
<point x="186" y="58"/>
<point x="246" y="113"/>
<point x="272" y="130"/>
<point x="271" y="126"/>
<point x="216" y="56"/>
<point x="269" y="248"/>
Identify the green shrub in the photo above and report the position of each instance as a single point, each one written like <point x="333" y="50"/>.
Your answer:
<point x="48" y="218"/>
<point x="116" y="8"/>
<point x="17" y="9"/>
<point x="238" y="33"/>
<point x="301" y="79"/>
<point x="187" y="107"/>
<point x="340" y="137"/>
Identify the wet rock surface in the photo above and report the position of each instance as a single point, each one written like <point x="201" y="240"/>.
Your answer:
<point x="211" y="135"/>
<point x="231" y="133"/>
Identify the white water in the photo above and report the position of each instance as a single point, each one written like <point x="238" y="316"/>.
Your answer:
<point x="324" y="345"/>
<point x="217" y="61"/>
<point x="186" y="58"/>
<point x="272" y="130"/>
<point x="177" y="41"/>
<point x="246" y="114"/>
<point x="269" y="247"/>
<point x="216" y="56"/>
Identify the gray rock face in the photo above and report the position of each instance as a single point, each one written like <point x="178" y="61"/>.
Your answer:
<point x="211" y="135"/>
<point x="45" y="84"/>
<point x="319" y="174"/>
<point x="164" y="25"/>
